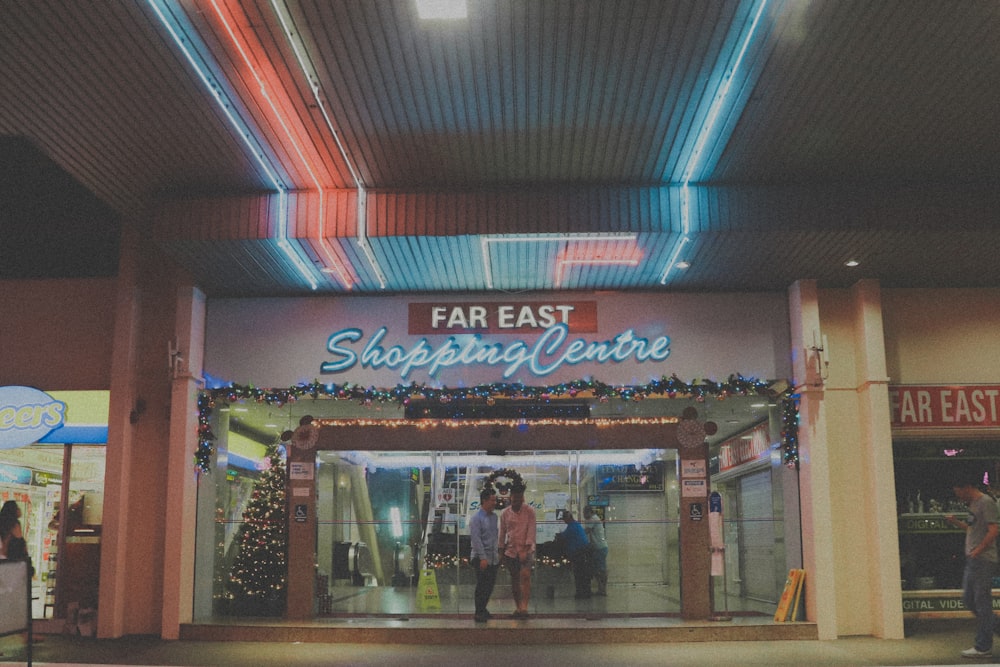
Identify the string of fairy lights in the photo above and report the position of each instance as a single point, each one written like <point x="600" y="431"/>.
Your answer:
<point x="699" y="390"/>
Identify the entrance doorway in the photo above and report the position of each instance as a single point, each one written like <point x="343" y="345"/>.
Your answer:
<point x="60" y="491"/>
<point x="384" y="498"/>
<point x="387" y="518"/>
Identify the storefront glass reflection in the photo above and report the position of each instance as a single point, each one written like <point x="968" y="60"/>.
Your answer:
<point x="392" y="534"/>
<point x="422" y="503"/>
<point x="64" y="546"/>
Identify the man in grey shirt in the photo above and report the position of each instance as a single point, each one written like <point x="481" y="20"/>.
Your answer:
<point x="595" y="530"/>
<point x="484" y="531"/>
<point x="981" y="529"/>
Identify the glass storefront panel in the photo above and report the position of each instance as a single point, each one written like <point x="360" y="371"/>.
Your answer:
<point x="931" y="551"/>
<point x="32" y="477"/>
<point x="392" y="526"/>
<point x="43" y="479"/>
<point x="80" y="555"/>
<point x="421" y="503"/>
<point x="755" y="566"/>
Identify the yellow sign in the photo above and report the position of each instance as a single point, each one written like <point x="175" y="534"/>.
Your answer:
<point x="427" y="591"/>
<point x="789" y="605"/>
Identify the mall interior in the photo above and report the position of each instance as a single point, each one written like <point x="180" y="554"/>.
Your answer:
<point x="286" y="284"/>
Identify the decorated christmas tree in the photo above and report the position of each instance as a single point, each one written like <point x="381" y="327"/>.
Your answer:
<point x="259" y="573"/>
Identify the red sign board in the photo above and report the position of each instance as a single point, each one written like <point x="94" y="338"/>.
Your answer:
<point x="749" y="447"/>
<point x="938" y="406"/>
<point x="500" y="318"/>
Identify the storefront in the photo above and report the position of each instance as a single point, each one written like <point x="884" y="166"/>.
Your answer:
<point x="353" y="363"/>
<point x="53" y="457"/>
<point x="746" y="472"/>
<point x="579" y="396"/>
<point x="942" y="434"/>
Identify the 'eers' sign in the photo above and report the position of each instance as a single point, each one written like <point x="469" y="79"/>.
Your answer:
<point x="510" y="318"/>
<point x="970" y="406"/>
<point x="27" y="415"/>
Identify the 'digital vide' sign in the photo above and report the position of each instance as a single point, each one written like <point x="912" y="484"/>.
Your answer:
<point x="463" y="334"/>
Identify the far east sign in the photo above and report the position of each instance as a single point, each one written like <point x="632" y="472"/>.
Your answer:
<point x="945" y="406"/>
<point x="27" y="415"/>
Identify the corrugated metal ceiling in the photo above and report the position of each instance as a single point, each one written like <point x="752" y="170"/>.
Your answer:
<point x="399" y="155"/>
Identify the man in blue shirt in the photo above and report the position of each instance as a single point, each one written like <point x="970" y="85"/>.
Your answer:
<point x="578" y="549"/>
<point x="484" y="531"/>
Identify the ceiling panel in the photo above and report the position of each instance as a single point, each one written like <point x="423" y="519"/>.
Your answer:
<point x="850" y="129"/>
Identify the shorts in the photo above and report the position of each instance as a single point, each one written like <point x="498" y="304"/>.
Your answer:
<point x="514" y="565"/>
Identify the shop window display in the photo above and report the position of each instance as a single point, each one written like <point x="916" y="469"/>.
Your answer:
<point x="931" y="551"/>
<point x="422" y="503"/>
<point x="385" y="520"/>
<point x="64" y="546"/>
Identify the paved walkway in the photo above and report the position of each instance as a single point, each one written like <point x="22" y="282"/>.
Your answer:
<point x="929" y="643"/>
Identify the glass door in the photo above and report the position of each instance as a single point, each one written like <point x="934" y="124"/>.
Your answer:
<point x="393" y="530"/>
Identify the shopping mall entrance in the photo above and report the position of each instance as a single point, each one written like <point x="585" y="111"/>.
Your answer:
<point x="419" y="505"/>
<point x="394" y="517"/>
<point x="377" y="511"/>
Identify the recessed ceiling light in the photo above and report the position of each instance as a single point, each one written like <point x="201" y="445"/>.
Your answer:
<point x="442" y="9"/>
<point x="682" y="265"/>
<point x="851" y="262"/>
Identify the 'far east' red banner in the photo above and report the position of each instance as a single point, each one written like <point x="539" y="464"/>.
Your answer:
<point x="939" y="406"/>
<point x="509" y="318"/>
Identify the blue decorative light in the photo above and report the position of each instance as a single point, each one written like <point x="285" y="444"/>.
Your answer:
<point x="711" y="128"/>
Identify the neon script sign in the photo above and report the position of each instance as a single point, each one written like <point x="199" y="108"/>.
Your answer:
<point x="550" y="351"/>
<point x="27" y="415"/>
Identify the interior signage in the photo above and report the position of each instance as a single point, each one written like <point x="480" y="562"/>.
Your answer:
<point x="938" y="603"/>
<point x="15" y="474"/>
<point x="630" y="477"/>
<point x="550" y="351"/>
<point x="970" y="406"/>
<point x="501" y="318"/>
<point x="744" y="449"/>
<point x="27" y="415"/>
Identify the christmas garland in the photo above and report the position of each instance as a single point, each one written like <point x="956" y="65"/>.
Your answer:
<point x="669" y="387"/>
<point x="790" y="430"/>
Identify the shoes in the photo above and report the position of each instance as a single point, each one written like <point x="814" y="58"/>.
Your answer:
<point x="520" y="614"/>
<point x="482" y="618"/>
<point x="976" y="653"/>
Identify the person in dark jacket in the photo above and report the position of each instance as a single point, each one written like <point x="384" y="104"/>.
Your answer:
<point x="12" y="543"/>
